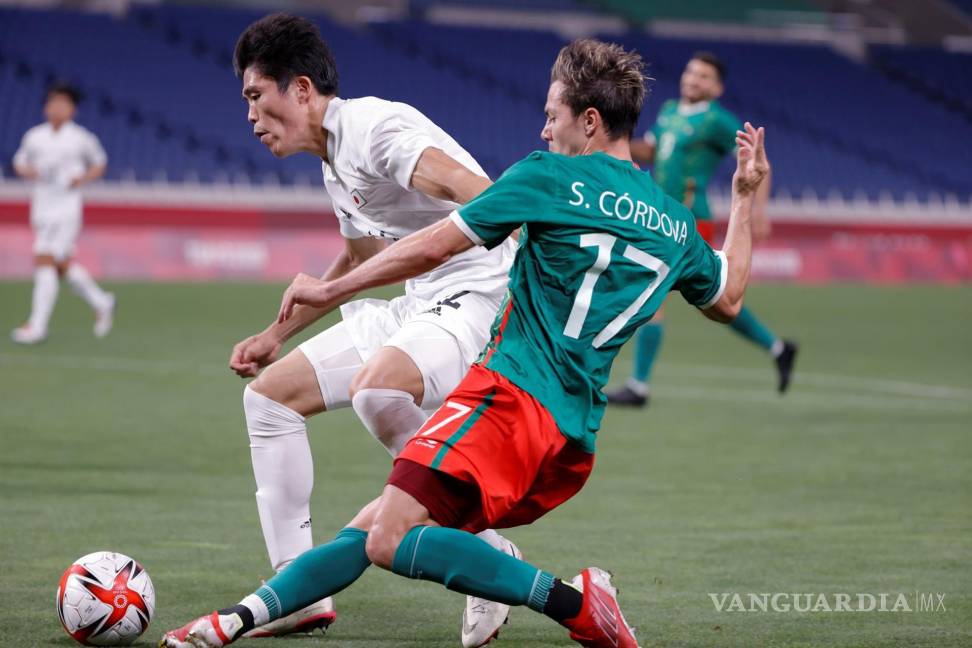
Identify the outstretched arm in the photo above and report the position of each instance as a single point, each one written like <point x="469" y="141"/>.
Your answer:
<point x="437" y="175"/>
<point x="413" y="255"/>
<point x="257" y="351"/>
<point x="643" y="149"/>
<point x="355" y="253"/>
<point x="762" y="227"/>
<point x="25" y="171"/>
<point x="751" y="169"/>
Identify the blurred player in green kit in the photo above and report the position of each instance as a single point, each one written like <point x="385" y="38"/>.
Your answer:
<point x="686" y="144"/>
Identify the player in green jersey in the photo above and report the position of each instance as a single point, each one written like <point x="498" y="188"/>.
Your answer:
<point x="601" y="246"/>
<point x="686" y="144"/>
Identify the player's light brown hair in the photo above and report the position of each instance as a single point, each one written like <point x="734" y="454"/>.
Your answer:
<point x="603" y="76"/>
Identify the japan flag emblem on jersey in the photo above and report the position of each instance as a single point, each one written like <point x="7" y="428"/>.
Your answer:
<point x="359" y="200"/>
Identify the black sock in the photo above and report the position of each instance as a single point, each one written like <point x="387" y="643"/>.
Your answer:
<point x="245" y="614"/>
<point x="564" y="602"/>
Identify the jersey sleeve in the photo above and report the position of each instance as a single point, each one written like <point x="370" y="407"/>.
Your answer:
<point x="22" y="156"/>
<point x="518" y="197"/>
<point x="703" y="277"/>
<point x="94" y="153"/>
<point x="396" y="145"/>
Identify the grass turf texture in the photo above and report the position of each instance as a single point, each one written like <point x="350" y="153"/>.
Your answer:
<point x="857" y="481"/>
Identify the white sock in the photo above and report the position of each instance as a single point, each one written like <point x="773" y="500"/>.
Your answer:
<point x="46" y="287"/>
<point x="777" y="348"/>
<point x="86" y="288"/>
<point x="391" y="416"/>
<point x="284" y="473"/>
<point x="261" y="615"/>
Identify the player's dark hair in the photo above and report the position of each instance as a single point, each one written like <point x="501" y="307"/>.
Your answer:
<point x="282" y="47"/>
<point x="603" y="76"/>
<point x="713" y="60"/>
<point x="64" y="89"/>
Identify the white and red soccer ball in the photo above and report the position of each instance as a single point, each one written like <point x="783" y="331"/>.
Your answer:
<point x="105" y="599"/>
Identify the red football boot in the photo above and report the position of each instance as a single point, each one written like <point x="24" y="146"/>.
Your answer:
<point x="600" y="623"/>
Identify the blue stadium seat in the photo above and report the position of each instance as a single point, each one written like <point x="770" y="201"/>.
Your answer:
<point x="173" y="106"/>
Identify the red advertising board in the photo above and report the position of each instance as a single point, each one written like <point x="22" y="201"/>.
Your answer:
<point x="173" y="242"/>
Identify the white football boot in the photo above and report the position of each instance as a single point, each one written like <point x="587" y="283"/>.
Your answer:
<point x="27" y="334"/>
<point x="210" y="631"/>
<point x="104" y="319"/>
<point x="314" y="616"/>
<point x="482" y="619"/>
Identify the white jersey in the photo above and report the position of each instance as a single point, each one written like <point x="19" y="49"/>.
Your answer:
<point x="373" y="146"/>
<point x="59" y="156"/>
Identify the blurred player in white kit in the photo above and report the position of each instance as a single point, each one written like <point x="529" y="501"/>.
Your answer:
<point x="59" y="157"/>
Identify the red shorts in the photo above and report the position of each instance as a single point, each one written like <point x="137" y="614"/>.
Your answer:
<point x="706" y="229"/>
<point x="500" y="459"/>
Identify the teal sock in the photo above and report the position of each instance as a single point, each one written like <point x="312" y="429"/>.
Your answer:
<point x="646" y="348"/>
<point x="748" y="326"/>
<point x="464" y="563"/>
<point x="324" y="570"/>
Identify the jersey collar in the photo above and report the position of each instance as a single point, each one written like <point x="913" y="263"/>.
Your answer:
<point x="330" y="123"/>
<point x="69" y="124"/>
<point x="693" y="109"/>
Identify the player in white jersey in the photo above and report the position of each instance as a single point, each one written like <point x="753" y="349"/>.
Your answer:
<point x="59" y="157"/>
<point x="389" y="172"/>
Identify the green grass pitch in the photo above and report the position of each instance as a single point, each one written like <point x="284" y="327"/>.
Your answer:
<point x="858" y="481"/>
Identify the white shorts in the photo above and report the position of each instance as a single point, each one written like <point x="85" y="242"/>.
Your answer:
<point x="443" y="337"/>
<point x="56" y="237"/>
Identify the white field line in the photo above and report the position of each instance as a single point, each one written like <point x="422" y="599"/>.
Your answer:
<point x="884" y="394"/>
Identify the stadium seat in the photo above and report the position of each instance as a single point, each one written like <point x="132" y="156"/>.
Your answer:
<point x="174" y="110"/>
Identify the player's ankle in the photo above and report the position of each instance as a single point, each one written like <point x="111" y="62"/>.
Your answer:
<point x="564" y="602"/>
<point x="245" y="616"/>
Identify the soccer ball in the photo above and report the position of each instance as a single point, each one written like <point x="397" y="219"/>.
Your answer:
<point x="105" y="599"/>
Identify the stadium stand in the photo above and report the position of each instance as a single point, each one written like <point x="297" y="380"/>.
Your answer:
<point x="964" y="5"/>
<point x="638" y="11"/>
<point x="580" y="6"/>
<point x="821" y="143"/>
<point x="173" y="111"/>
<point x="942" y="76"/>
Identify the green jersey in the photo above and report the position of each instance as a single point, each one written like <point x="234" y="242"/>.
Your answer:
<point x="600" y="247"/>
<point x="689" y="144"/>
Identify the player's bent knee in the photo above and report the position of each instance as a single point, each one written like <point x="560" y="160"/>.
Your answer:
<point x="382" y="544"/>
<point x="266" y="417"/>
<point x="261" y="385"/>
<point x="390" y="415"/>
<point x="365" y="518"/>
<point x="292" y="383"/>
<point x="397" y="513"/>
<point x="372" y="377"/>
<point x="390" y="368"/>
<point x="259" y="389"/>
